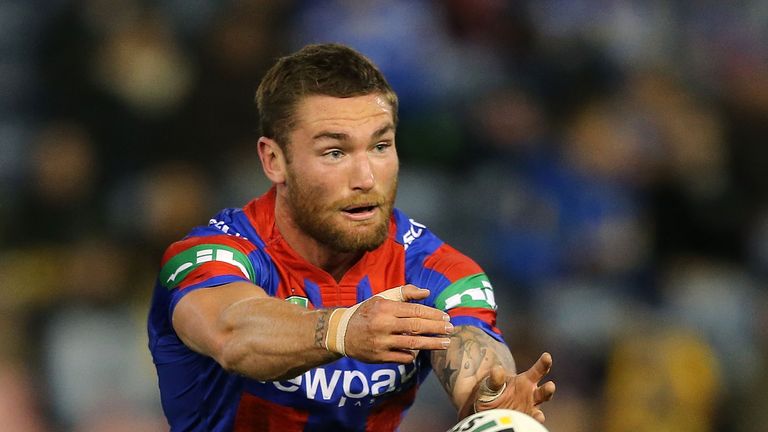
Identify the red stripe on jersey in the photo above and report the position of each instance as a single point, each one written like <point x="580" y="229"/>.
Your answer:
<point x="388" y="415"/>
<point x="451" y="263"/>
<point x="386" y="265"/>
<point x="240" y="244"/>
<point x="255" y="414"/>
<point x="487" y="316"/>
<point x="208" y="270"/>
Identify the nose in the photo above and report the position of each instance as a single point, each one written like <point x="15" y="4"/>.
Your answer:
<point x="362" y="177"/>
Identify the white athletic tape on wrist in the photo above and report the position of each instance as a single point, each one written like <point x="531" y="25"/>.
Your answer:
<point x="339" y="320"/>
<point x="486" y="395"/>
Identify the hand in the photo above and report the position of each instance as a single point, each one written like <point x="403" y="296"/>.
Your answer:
<point x="519" y="392"/>
<point x="383" y="330"/>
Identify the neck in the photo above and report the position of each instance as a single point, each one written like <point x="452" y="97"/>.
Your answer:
<point x="320" y="255"/>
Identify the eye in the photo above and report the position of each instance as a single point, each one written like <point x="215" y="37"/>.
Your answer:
<point x="382" y="147"/>
<point x="333" y="154"/>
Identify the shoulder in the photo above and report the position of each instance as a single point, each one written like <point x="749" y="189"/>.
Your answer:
<point x="425" y="249"/>
<point x="232" y="222"/>
<point x="412" y="234"/>
<point x="228" y="239"/>
<point x="457" y="284"/>
<point x="228" y="228"/>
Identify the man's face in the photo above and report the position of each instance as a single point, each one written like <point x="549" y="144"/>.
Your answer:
<point x="342" y="177"/>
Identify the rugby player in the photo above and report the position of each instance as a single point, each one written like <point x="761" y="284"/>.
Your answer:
<point x="318" y="305"/>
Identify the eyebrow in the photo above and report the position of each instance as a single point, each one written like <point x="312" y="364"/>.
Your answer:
<point x="340" y="136"/>
<point x="389" y="127"/>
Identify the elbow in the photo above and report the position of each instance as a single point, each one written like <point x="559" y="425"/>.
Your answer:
<point x="229" y="361"/>
<point x="226" y="357"/>
<point x="229" y="354"/>
<point x="235" y="358"/>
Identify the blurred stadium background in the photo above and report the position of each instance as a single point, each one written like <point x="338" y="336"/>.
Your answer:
<point x="604" y="160"/>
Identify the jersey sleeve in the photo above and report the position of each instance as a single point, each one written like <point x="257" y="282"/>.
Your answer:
<point x="458" y="285"/>
<point x="463" y="291"/>
<point x="205" y="261"/>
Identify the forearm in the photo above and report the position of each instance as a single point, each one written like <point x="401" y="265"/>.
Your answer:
<point x="265" y="338"/>
<point x="270" y="339"/>
<point x="469" y="358"/>
<point x="251" y="333"/>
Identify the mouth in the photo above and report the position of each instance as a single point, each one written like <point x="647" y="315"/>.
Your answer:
<point x="360" y="211"/>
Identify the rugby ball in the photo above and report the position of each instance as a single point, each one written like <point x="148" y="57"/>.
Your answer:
<point x="499" y="420"/>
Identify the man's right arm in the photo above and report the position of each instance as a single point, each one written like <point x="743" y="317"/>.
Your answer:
<point x="266" y="338"/>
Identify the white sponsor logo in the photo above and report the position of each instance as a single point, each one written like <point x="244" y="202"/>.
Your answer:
<point x="223" y="227"/>
<point x="414" y="232"/>
<point x="206" y="255"/>
<point x="484" y="293"/>
<point x="323" y="384"/>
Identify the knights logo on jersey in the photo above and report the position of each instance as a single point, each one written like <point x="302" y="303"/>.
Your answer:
<point x="298" y="300"/>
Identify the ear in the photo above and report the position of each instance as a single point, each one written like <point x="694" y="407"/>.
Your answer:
<point x="272" y="160"/>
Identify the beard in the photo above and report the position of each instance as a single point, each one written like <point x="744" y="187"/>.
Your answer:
<point x="323" y="223"/>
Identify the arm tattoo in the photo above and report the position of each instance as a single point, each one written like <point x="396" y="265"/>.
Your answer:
<point x="469" y="358"/>
<point x="321" y="328"/>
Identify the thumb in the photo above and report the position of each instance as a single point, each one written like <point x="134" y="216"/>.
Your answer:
<point x="492" y="386"/>
<point x="496" y="379"/>
<point x="404" y="293"/>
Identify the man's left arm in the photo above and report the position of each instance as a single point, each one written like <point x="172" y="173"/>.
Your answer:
<point x="479" y="373"/>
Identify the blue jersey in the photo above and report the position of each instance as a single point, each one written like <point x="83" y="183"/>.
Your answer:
<point x="245" y="245"/>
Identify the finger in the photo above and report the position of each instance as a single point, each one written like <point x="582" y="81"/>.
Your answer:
<point x="414" y="310"/>
<point x="412" y="353"/>
<point x="544" y="393"/>
<point x="402" y="342"/>
<point x="411" y="292"/>
<point x="538" y="415"/>
<point x="399" y="356"/>
<point x="540" y="368"/>
<point x="419" y="326"/>
<point x="394" y="294"/>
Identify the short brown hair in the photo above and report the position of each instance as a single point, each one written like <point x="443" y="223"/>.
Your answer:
<point x="320" y="69"/>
